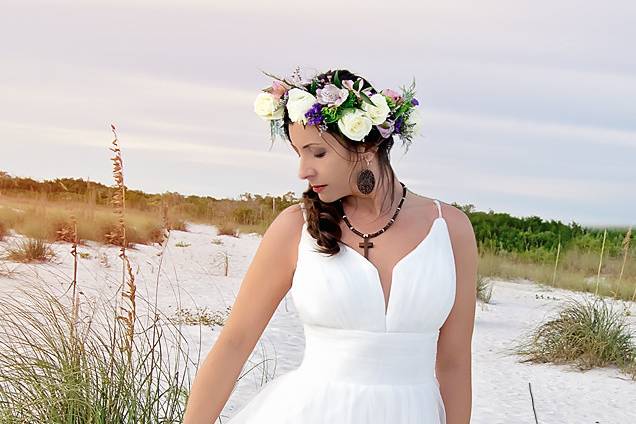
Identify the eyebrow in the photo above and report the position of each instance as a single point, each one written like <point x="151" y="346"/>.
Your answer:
<point x="306" y="145"/>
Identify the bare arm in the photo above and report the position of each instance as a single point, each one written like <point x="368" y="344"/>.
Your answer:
<point x="453" y="366"/>
<point x="266" y="282"/>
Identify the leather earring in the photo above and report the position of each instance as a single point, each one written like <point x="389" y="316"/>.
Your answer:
<point x="366" y="180"/>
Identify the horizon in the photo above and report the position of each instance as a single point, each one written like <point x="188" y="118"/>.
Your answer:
<point x="237" y="198"/>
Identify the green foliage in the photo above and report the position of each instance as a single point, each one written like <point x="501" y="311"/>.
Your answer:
<point x="61" y="366"/>
<point x="330" y="114"/>
<point x="528" y="237"/>
<point x="587" y="333"/>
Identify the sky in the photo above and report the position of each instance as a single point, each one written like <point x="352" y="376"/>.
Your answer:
<point x="527" y="107"/>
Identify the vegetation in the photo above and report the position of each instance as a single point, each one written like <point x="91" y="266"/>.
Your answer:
<point x="29" y="250"/>
<point x="484" y="289"/>
<point x="63" y="361"/>
<point x="587" y="333"/>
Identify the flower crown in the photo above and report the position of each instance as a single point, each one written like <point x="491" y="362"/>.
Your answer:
<point x="331" y="104"/>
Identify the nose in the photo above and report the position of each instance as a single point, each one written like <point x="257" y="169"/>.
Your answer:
<point x="305" y="172"/>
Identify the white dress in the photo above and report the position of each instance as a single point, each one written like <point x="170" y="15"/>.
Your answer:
<point x="360" y="364"/>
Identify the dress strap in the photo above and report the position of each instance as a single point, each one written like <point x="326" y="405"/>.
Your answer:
<point x="302" y="206"/>
<point x="439" y="207"/>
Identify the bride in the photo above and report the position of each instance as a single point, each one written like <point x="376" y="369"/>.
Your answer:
<point x="383" y="279"/>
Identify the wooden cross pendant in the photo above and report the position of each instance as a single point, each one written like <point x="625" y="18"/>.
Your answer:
<point x="367" y="245"/>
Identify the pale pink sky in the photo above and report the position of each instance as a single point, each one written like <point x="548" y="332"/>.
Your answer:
<point x="527" y="106"/>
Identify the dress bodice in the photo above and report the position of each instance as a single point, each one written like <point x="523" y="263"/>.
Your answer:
<point x="343" y="291"/>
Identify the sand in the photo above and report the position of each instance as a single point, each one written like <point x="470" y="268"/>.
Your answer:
<point x="194" y="277"/>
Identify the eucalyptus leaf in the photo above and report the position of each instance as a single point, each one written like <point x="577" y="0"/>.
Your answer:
<point x="336" y="80"/>
<point x="366" y="99"/>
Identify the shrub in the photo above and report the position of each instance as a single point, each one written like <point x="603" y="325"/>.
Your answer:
<point x="484" y="289"/>
<point x="29" y="250"/>
<point x="227" y="229"/>
<point x="585" y="333"/>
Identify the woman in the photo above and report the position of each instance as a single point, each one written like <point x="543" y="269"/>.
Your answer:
<point x="383" y="279"/>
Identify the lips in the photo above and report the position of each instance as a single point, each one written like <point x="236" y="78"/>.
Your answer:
<point x="318" y="186"/>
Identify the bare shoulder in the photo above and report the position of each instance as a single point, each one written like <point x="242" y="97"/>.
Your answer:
<point x="283" y="234"/>
<point x="464" y="245"/>
<point x="459" y="225"/>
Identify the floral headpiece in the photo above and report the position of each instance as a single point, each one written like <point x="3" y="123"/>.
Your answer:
<point x="332" y="104"/>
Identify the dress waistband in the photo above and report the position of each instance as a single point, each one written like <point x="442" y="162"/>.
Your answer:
<point x="369" y="357"/>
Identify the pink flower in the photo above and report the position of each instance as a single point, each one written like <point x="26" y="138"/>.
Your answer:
<point x="331" y="95"/>
<point x="395" y="96"/>
<point x="278" y="89"/>
<point x="349" y="84"/>
<point x="386" y="129"/>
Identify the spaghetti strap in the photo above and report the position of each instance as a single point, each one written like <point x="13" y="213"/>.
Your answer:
<point x="439" y="208"/>
<point x="302" y="207"/>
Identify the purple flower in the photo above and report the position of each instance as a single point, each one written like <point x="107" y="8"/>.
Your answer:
<point x="398" y="125"/>
<point x="414" y="102"/>
<point x="314" y="114"/>
<point x="331" y="95"/>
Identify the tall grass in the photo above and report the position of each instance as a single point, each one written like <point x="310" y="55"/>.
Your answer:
<point x="65" y="361"/>
<point x="586" y="333"/>
<point x="577" y="270"/>
<point x="60" y="365"/>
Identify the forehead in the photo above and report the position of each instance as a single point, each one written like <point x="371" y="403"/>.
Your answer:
<point x="304" y="136"/>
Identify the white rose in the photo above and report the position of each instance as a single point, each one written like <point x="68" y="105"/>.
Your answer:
<point x="298" y="103"/>
<point x="415" y="119"/>
<point x="380" y="111"/>
<point x="355" y="124"/>
<point x="268" y="107"/>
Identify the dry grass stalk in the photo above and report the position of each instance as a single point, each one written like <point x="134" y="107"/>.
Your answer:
<point x="600" y="263"/>
<point x="556" y="264"/>
<point x="625" y="248"/>
<point x="75" y="298"/>
<point x="119" y="204"/>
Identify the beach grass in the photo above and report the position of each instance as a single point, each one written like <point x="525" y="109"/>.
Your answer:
<point x="586" y="333"/>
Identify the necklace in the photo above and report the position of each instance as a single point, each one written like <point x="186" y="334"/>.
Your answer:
<point x="365" y="243"/>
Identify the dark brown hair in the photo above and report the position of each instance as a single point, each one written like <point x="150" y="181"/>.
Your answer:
<point x="323" y="218"/>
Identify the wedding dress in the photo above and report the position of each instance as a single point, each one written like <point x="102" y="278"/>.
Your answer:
<point x="364" y="364"/>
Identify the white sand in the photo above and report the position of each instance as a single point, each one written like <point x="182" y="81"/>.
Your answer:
<point x="193" y="277"/>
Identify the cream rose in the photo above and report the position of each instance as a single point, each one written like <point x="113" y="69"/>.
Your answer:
<point x="380" y="111"/>
<point x="298" y="103"/>
<point x="355" y="124"/>
<point x="268" y="107"/>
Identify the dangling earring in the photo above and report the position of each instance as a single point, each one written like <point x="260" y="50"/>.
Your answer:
<point x="366" y="180"/>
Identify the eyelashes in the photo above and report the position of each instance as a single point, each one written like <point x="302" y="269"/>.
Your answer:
<point x="320" y="155"/>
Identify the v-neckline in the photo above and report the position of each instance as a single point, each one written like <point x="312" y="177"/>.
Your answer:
<point x="387" y="304"/>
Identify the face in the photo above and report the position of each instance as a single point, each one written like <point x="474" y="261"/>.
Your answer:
<point x="323" y="161"/>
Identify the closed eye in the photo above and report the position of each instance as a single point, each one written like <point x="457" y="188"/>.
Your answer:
<point x="320" y="155"/>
